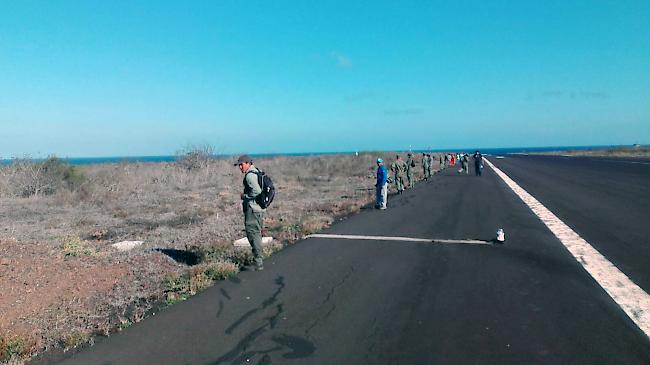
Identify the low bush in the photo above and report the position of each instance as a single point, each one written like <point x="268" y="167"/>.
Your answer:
<point x="14" y="349"/>
<point x="10" y="349"/>
<point x="195" y="157"/>
<point x="75" y="246"/>
<point x="27" y="177"/>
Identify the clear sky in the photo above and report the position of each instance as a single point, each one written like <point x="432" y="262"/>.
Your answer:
<point x="118" y="78"/>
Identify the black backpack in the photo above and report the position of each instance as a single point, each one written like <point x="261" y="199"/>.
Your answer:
<point x="265" y="198"/>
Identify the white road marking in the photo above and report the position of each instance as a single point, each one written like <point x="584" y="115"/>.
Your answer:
<point x="388" y="238"/>
<point x="633" y="162"/>
<point x="629" y="296"/>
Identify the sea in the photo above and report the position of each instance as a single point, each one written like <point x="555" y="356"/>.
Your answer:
<point x="485" y="151"/>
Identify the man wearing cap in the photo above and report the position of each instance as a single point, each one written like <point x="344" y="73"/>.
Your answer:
<point x="382" y="185"/>
<point x="253" y="213"/>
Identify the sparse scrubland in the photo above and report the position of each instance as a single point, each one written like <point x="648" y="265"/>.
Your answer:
<point x="639" y="151"/>
<point x="62" y="283"/>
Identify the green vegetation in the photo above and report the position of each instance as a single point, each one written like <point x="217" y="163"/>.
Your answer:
<point x="75" y="246"/>
<point x="14" y="349"/>
<point x="73" y="340"/>
<point x="11" y="349"/>
<point x="28" y="177"/>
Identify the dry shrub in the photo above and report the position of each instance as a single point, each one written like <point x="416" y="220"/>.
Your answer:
<point x="73" y="340"/>
<point x="74" y="246"/>
<point x="196" y="279"/>
<point x="315" y="223"/>
<point x="195" y="157"/>
<point x="15" y="348"/>
<point x="203" y="275"/>
<point x="27" y="177"/>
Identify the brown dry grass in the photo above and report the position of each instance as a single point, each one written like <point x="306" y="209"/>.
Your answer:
<point x="62" y="283"/>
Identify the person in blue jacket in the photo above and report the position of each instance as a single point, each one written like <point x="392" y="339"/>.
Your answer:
<point x="382" y="185"/>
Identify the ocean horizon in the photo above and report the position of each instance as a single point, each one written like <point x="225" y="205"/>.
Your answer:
<point x="172" y="158"/>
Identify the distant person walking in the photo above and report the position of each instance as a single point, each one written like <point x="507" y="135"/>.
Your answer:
<point x="465" y="161"/>
<point x="426" y="165"/>
<point x="410" y="166"/>
<point x="253" y="213"/>
<point x="429" y="164"/>
<point x="478" y="163"/>
<point x="398" y="167"/>
<point x="381" y="185"/>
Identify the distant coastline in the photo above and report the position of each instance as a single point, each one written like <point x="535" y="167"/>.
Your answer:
<point x="488" y="151"/>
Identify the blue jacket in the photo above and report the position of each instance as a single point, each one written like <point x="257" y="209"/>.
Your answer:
<point x="382" y="175"/>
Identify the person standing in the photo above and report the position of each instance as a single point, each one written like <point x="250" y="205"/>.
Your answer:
<point x="253" y="213"/>
<point x="426" y="166"/>
<point x="465" y="160"/>
<point x="398" y="167"/>
<point x="381" y="185"/>
<point x="410" y="165"/>
<point x="478" y="163"/>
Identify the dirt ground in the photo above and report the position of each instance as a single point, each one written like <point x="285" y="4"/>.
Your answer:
<point x="62" y="283"/>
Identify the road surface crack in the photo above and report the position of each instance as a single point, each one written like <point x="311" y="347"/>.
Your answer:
<point x="327" y="299"/>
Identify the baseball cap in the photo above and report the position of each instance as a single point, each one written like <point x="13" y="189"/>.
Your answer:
<point x="243" y="159"/>
<point x="379" y="160"/>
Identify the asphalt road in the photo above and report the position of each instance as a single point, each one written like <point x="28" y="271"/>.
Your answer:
<point x="605" y="200"/>
<point x="325" y="301"/>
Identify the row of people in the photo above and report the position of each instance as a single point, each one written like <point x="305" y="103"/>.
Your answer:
<point x="399" y="168"/>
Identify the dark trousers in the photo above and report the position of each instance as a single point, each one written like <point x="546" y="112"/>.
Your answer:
<point x="253" y="222"/>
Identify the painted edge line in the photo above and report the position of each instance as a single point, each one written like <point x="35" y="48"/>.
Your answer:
<point x="389" y="238"/>
<point x="630" y="297"/>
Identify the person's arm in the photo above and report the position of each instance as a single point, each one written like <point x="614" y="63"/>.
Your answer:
<point x="251" y="181"/>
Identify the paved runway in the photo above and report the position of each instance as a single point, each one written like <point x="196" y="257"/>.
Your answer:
<point x="346" y="301"/>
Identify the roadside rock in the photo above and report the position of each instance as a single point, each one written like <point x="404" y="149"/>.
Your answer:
<point x="243" y="242"/>
<point x="127" y="245"/>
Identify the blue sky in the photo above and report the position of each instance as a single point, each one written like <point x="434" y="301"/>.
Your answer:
<point x="107" y="78"/>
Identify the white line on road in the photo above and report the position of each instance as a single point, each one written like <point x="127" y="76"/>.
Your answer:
<point x="632" y="162"/>
<point x="388" y="238"/>
<point x="629" y="296"/>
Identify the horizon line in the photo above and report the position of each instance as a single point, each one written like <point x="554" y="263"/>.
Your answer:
<point x="263" y="154"/>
